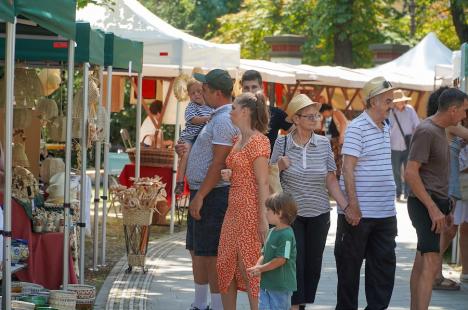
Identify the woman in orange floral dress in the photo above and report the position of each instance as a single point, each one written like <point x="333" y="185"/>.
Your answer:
<point x="245" y="225"/>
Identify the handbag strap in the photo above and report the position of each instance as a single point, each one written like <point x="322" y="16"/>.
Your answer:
<point x="285" y="144"/>
<point x="399" y="125"/>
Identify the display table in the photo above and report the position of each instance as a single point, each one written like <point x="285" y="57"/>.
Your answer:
<point x="145" y="171"/>
<point x="44" y="265"/>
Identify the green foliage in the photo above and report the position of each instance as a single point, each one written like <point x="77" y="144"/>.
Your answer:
<point x="196" y="16"/>
<point x="82" y="3"/>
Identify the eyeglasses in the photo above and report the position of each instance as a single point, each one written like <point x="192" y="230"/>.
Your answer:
<point x="311" y="117"/>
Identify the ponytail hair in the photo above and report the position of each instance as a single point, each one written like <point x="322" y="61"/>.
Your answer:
<point x="259" y="111"/>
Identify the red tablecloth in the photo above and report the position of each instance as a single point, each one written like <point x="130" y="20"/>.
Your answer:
<point x="45" y="252"/>
<point x="146" y="171"/>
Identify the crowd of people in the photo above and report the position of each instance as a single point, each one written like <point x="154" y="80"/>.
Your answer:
<point x="241" y="236"/>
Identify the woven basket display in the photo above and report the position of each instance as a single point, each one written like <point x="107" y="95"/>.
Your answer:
<point x="27" y="287"/>
<point x="21" y="118"/>
<point x="85" y="294"/>
<point x="22" y="305"/>
<point x="153" y="157"/>
<point x="136" y="260"/>
<point x="47" y="108"/>
<point x="137" y="216"/>
<point x="28" y="88"/>
<point x="62" y="300"/>
<point x="57" y="129"/>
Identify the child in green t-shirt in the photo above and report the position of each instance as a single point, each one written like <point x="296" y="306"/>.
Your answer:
<point x="277" y="265"/>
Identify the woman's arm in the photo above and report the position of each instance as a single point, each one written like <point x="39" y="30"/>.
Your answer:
<point x="342" y="124"/>
<point x="335" y="190"/>
<point x="261" y="176"/>
<point x="459" y="131"/>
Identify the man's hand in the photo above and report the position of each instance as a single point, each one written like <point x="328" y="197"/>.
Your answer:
<point x="195" y="206"/>
<point x="181" y="148"/>
<point x="254" y="271"/>
<point x="226" y="175"/>
<point x="353" y="213"/>
<point x="437" y="218"/>
<point x="283" y="163"/>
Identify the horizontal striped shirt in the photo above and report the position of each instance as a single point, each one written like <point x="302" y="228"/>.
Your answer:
<point x="192" y="130"/>
<point x="373" y="174"/>
<point x="305" y="177"/>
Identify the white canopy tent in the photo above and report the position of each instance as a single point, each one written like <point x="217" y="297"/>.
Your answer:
<point x="163" y="44"/>
<point x="276" y="72"/>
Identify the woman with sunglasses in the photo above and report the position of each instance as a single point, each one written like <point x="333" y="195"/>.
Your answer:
<point x="308" y="168"/>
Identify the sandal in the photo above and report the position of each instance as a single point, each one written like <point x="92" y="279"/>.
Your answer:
<point x="180" y="187"/>
<point x="444" y="284"/>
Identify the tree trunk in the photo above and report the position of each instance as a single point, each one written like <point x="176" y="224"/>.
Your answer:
<point x="343" y="45"/>
<point x="459" y="20"/>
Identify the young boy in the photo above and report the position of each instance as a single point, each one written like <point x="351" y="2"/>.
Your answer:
<point x="197" y="114"/>
<point x="277" y="265"/>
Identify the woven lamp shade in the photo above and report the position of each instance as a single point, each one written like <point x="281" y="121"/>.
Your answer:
<point x="56" y="129"/>
<point x="47" y="109"/>
<point x="28" y="88"/>
<point x="21" y="118"/>
<point x="50" y="167"/>
<point x="50" y="80"/>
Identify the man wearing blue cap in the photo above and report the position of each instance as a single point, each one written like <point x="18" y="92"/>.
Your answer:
<point x="208" y="193"/>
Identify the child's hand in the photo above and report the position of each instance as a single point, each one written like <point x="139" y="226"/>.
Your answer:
<point x="254" y="271"/>
<point x="226" y="174"/>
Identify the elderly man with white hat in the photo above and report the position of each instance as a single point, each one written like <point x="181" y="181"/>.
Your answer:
<point x="403" y="122"/>
<point x="367" y="227"/>
<point x="308" y="174"/>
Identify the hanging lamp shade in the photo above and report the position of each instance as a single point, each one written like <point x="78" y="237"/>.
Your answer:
<point x="50" y="80"/>
<point x="21" y="118"/>
<point x="47" y="109"/>
<point x="56" y="129"/>
<point x="28" y="88"/>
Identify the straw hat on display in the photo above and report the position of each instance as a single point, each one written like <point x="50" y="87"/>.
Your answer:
<point x="399" y="96"/>
<point x="50" y="167"/>
<point x="375" y="87"/>
<point x="299" y="102"/>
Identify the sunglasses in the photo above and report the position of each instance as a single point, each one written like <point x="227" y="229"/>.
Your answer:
<point x="385" y="84"/>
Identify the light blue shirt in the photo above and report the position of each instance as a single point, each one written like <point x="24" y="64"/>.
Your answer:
<point x="218" y="131"/>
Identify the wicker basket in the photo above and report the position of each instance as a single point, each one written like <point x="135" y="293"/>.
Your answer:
<point x="83" y="292"/>
<point x="27" y="287"/>
<point x="62" y="300"/>
<point x="137" y="216"/>
<point x="136" y="260"/>
<point x="22" y="305"/>
<point x="153" y="157"/>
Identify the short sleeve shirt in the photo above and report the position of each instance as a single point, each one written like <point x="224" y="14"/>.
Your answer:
<point x="193" y="109"/>
<point x="409" y="120"/>
<point x="218" y="131"/>
<point x="280" y="243"/>
<point x="429" y="147"/>
<point x="305" y="179"/>
<point x="373" y="174"/>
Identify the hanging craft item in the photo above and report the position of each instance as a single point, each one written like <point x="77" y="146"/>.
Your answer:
<point x="93" y="97"/>
<point x="47" y="109"/>
<point x="50" y="80"/>
<point x="57" y="128"/>
<point x="21" y="118"/>
<point x="28" y="88"/>
<point x="19" y="156"/>
<point x="180" y="87"/>
<point x="50" y="167"/>
<point x="24" y="185"/>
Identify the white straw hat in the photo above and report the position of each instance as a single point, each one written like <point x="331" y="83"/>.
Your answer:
<point x="297" y="103"/>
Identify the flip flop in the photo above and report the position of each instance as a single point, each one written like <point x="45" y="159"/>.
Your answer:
<point x="444" y="284"/>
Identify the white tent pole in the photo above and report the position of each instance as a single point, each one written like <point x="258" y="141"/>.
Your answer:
<point x="463" y="76"/>
<point x="97" y="183"/>
<point x="68" y="147"/>
<point x="174" y="169"/>
<point x="105" y="181"/>
<point x="9" y="77"/>
<point x="83" y="187"/>
<point x="138" y="125"/>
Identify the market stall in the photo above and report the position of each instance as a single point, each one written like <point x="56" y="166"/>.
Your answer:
<point x="48" y="20"/>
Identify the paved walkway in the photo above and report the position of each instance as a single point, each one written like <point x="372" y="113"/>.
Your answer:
<point x="168" y="283"/>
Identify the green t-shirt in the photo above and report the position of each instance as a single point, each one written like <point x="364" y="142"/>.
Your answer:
<point x="280" y="243"/>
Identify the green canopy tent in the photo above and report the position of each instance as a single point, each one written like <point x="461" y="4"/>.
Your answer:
<point x="89" y="50"/>
<point x="129" y="58"/>
<point x="45" y="18"/>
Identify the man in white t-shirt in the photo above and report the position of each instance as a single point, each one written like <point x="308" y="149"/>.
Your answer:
<point x="148" y="128"/>
<point x="367" y="227"/>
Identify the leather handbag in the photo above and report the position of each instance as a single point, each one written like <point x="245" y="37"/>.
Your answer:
<point x="274" y="175"/>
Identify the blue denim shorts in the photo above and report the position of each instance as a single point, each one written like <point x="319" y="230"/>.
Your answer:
<point x="274" y="300"/>
<point x="203" y="235"/>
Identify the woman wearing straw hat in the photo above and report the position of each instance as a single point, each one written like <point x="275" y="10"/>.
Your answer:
<point x="308" y="174"/>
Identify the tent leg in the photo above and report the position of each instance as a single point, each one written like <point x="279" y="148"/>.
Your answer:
<point x="10" y="77"/>
<point x="174" y="169"/>
<point x="137" y="126"/>
<point x="83" y="188"/>
<point x="68" y="146"/>
<point x="105" y="182"/>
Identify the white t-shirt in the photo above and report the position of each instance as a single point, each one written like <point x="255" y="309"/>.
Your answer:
<point x="147" y="128"/>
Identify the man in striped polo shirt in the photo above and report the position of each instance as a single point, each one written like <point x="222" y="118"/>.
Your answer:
<point x="367" y="227"/>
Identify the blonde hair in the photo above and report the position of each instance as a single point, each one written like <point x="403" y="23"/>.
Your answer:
<point x="259" y="111"/>
<point x="191" y="83"/>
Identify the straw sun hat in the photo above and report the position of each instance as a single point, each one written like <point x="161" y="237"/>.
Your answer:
<point x="375" y="87"/>
<point x="297" y="103"/>
<point x="399" y="96"/>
